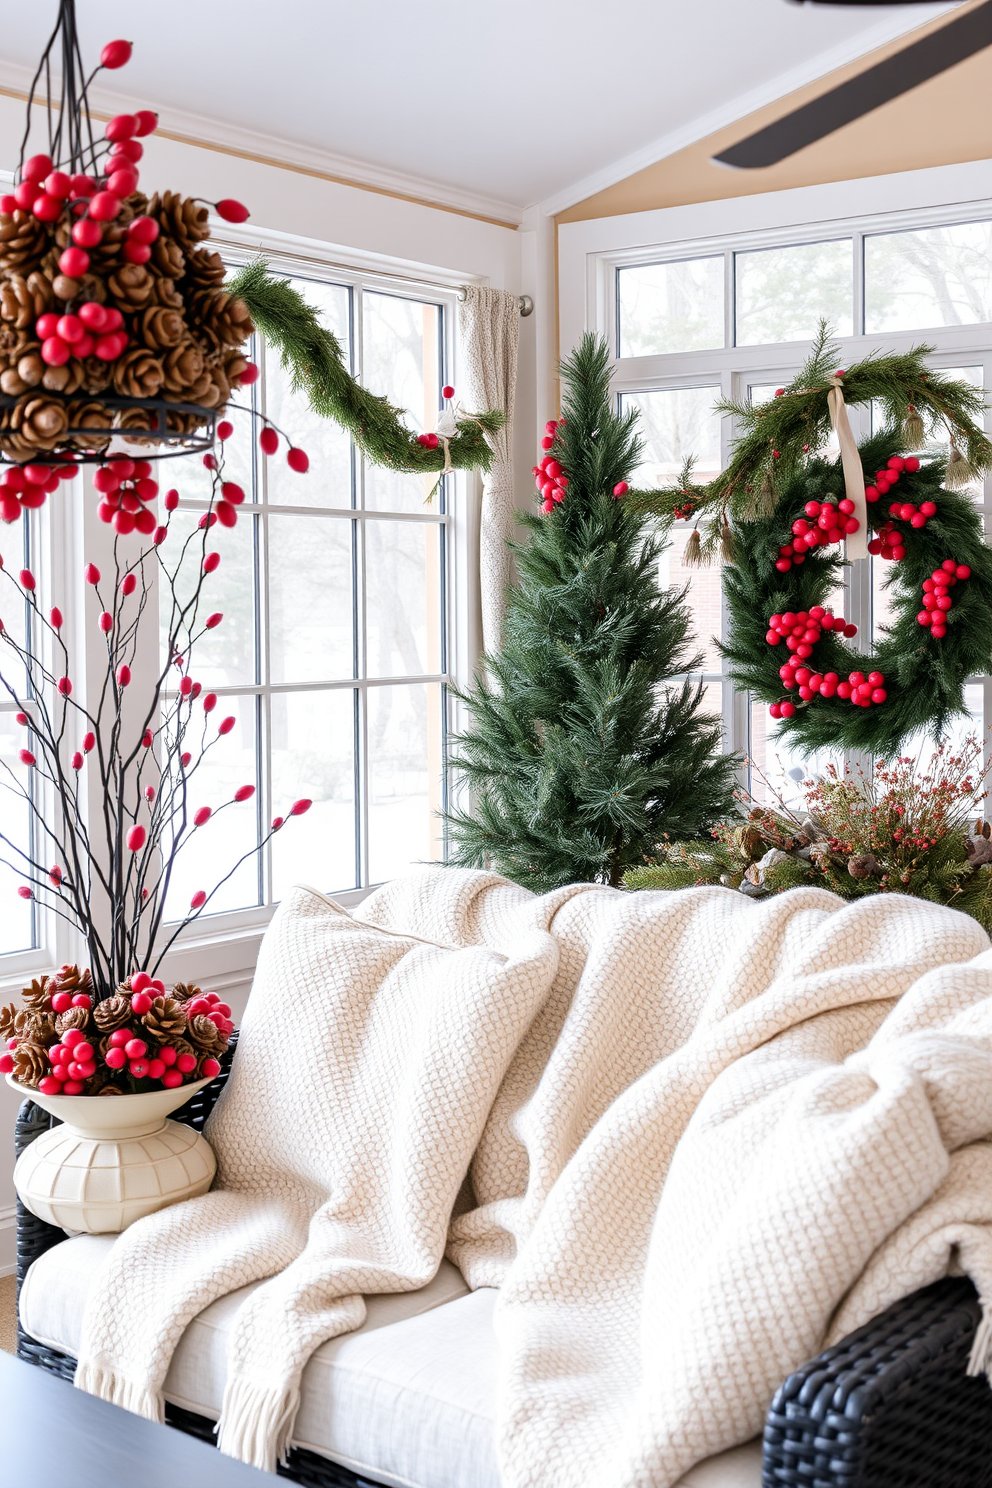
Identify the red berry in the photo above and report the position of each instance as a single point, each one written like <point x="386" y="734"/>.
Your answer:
<point x="138" y="1069"/>
<point x="116" y="54"/>
<point x="231" y="210"/>
<point x="249" y="375"/>
<point x="136" y="253"/>
<point x="787" y="709"/>
<point x="36" y="168"/>
<point x="61" y="1001"/>
<point x="105" y="206"/>
<point x="140" y="1003"/>
<point x="186" y="1063"/>
<point x="268" y="440"/>
<point x="82" y="1000"/>
<point x="87" y="233"/>
<point x="298" y="460"/>
<point x="911" y="465"/>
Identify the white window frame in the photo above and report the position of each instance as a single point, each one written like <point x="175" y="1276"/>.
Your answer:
<point x="221" y="949"/>
<point x="734" y="368"/>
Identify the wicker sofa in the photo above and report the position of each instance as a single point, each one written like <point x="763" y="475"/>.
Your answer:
<point x="889" y="1407"/>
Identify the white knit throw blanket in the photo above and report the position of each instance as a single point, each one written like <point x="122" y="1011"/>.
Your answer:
<point x="366" y="1068"/>
<point x="720" y="1135"/>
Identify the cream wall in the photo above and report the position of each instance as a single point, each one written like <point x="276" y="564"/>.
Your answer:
<point x="417" y="238"/>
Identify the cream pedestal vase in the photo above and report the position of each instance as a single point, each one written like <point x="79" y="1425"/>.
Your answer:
<point x="113" y="1160"/>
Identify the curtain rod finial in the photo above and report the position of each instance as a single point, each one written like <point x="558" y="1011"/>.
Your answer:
<point x="526" y="305"/>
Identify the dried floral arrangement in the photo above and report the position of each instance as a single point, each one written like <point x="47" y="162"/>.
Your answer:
<point x="901" y="827"/>
<point x="63" y="1042"/>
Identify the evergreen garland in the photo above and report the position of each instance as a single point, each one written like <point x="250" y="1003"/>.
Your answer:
<point x="313" y="357"/>
<point x="582" y="752"/>
<point x="924" y="676"/>
<point x="776" y="438"/>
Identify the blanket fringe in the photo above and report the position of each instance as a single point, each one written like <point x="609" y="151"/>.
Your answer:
<point x="256" y="1421"/>
<point x="104" y="1381"/>
<point x="980" y="1361"/>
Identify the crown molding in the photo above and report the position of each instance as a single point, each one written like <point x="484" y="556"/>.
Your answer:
<point x="738" y="107"/>
<point x="266" y="149"/>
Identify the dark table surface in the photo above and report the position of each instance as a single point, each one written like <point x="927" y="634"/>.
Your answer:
<point x="55" y="1436"/>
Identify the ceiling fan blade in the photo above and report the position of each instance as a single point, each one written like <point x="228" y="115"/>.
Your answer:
<point x="922" y="59"/>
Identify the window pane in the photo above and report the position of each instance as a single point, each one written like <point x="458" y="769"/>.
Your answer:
<point x="225" y="656"/>
<point x="310" y="598"/>
<point x="313" y="755"/>
<point x="15" y="913"/>
<point x="676" y="423"/>
<point x="328" y="481"/>
<point x="939" y="276"/>
<point x="403" y="598"/>
<point x="782" y="293"/>
<point x="704" y="597"/>
<point x="405" y="775"/>
<point x="777" y="768"/>
<point x="209" y="853"/>
<point x="401" y="346"/>
<point x="671" y="307"/>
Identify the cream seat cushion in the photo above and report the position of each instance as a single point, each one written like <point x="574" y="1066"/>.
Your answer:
<point x="407" y="1400"/>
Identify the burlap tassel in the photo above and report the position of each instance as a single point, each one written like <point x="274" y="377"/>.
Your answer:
<point x="914" y="434"/>
<point x="766" y="496"/>
<point x="728" y="546"/>
<point x="959" y="472"/>
<point x="693" y="555"/>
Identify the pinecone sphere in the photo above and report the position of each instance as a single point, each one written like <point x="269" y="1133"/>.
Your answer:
<point x="30" y="1063"/>
<point x="165" y="1019"/>
<point x="112" y="1013"/>
<point x="74" y="1017"/>
<point x="38" y="995"/>
<point x="23" y="242"/>
<point x="69" y="978"/>
<point x="205" y="1036"/>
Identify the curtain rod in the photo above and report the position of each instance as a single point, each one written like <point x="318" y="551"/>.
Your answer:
<point x="524" y="301"/>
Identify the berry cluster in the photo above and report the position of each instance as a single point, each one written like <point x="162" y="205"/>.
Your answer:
<point x="937" y="595"/>
<point x="800" y="631"/>
<point x="887" y="478"/>
<point x="27" y="486"/>
<point x="126" y="487"/>
<point x="140" y="1034"/>
<point x="550" y="478"/>
<point x="889" y="543"/>
<point x="94" y="330"/>
<point x="827" y="524"/>
<point x="685" y="511"/>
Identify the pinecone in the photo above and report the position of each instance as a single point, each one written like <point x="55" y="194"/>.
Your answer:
<point x="14" y="343"/>
<point x="135" y="418"/>
<point x="180" y="218"/>
<point x="205" y="270"/>
<point x="30" y="1063"/>
<point x="69" y="978"/>
<point x="85" y="415"/>
<point x="23" y="242"/>
<point x="168" y="296"/>
<point x="138" y="374"/>
<point x="131" y="286"/>
<point x="22" y="299"/>
<point x="167" y="258"/>
<point x="112" y="1013"/>
<point x="165" y="1019"/>
<point x="7" y="1015"/>
<point x="222" y="315"/>
<point x="38" y="997"/>
<point x="66" y="379"/>
<point x="185" y="992"/>
<point x="30" y="368"/>
<point x="183" y="1046"/>
<point x="205" y="1036"/>
<point x="37" y="422"/>
<point x="160" y="328"/>
<point x="75" y="1017"/>
<point x="37" y="1028"/>
<point x="183" y="368"/>
<point x="109" y="1089"/>
<point x="235" y="366"/>
<point x="97" y="377"/>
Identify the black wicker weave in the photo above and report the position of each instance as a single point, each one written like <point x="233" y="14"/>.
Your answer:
<point x="890" y="1406"/>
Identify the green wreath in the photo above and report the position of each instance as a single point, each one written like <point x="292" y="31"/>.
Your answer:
<point x="778" y="510"/>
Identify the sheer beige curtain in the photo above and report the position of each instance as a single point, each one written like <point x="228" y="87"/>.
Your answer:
<point x="489" y="322"/>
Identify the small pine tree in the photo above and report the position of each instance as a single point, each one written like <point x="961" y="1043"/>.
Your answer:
<point x="581" y="753"/>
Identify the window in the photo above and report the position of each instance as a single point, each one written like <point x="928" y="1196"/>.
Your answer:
<point x="333" y="653"/>
<point x="723" y="319"/>
<point x="18" y="928"/>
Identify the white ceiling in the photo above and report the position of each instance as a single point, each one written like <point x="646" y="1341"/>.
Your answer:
<point x="498" y="105"/>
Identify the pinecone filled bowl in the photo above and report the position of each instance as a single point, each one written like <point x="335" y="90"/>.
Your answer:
<point x="111" y="1160"/>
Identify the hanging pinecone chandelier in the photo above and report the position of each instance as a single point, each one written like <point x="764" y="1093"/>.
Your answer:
<point x="113" y="317"/>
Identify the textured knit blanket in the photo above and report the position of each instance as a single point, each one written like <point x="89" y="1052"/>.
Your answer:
<point x="735" y="1131"/>
<point x="367" y="1065"/>
<point x="710" y="1135"/>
